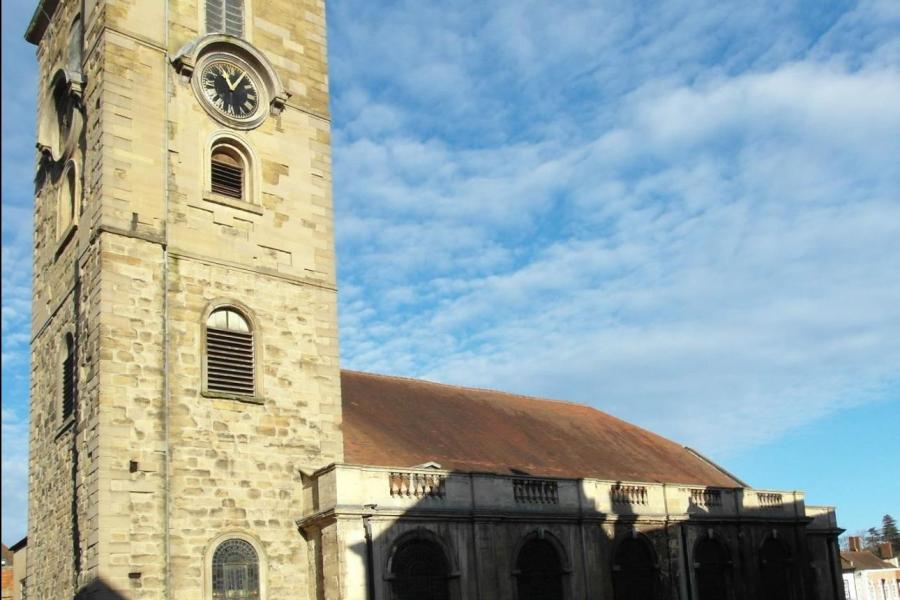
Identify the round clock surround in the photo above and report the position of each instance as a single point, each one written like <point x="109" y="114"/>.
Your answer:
<point x="231" y="90"/>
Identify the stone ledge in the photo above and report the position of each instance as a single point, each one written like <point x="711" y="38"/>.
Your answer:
<point x="233" y="203"/>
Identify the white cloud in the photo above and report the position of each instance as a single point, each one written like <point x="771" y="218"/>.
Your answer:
<point x="708" y="245"/>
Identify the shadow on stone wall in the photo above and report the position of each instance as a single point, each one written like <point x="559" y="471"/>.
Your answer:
<point x="100" y="590"/>
<point x="703" y="554"/>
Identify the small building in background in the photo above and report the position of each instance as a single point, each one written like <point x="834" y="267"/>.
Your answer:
<point x="6" y="557"/>
<point x="868" y="576"/>
<point x="20" y="563"/>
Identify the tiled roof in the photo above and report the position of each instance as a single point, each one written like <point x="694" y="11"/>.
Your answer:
<point x="393" y="421"/>
<point x="862" y="561"/>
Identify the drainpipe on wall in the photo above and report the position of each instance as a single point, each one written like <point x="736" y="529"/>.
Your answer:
<point x="370" y="555"/>
<point x="686" y="561"/>
<point x="167" y="458"/>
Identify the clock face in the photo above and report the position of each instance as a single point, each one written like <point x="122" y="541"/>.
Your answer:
<point x="230" y="89"/>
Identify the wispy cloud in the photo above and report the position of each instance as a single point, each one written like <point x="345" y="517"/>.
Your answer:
<point x="689" y="215"/>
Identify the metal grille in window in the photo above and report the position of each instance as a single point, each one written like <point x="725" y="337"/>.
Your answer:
<point x="225" y="16"/>
<point x="227" y="175"/>
<point x="235" y="571"/>
<point x="229" y="353"/>
<point x="68" y="380"/>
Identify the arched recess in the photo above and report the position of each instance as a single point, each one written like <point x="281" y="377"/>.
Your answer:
<point x="219" y="329"/>
<point x="68" y="201"/>
<point x="219" y="174"/>
<point x="421" y="565"/>
<point x="210" y="573"/>
<point x="635" y="568"/>
<point x="713" y="569"/>
<point x="61" y="122"/>
<point x="541" y="568"/>
<point x="775" y="565"/>
<point x="76" y="45"/>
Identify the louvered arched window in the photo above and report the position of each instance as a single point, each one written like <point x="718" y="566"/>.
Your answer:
<point x="229" y="353"/>
<point x="68" y="378"/>
<point x="228" y="172"/>
<point x="235" y="571"/>
<point x="225" y="16"/>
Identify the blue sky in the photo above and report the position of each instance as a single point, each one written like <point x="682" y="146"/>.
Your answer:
<point x="684" y="213"/>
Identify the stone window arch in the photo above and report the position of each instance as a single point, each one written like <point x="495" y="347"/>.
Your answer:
<point x="235" y="568"/>
<point x="540" y="568"/>
<point x="775" y="566"/>
<point x="713" y="569"/>
<point x="231" y="171"/>
<point x="225" y="16"/>
<point x="635" y="569"/>
<point x="420" y="567"/>
<point x="230" y="352"/>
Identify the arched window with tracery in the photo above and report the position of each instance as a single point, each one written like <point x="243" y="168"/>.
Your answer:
<point x="539" y="571"/>
<point x="775" y="570"/>
<point x="634" y="570"/>
<point x="420" y="571"/>
<point x="225" y="16"/>
<point x="712" y="570"/>
<point x="235" y="571"/>
<point x="230" y="360"/>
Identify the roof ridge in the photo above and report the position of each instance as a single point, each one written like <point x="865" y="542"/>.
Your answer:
<point x="484" y="389"/>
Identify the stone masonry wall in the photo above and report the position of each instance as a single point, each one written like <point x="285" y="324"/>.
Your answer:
<point x="62" y="460"/>
<point x="101" y="498"/>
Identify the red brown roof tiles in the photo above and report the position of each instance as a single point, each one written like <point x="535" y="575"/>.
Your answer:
<point x="393" y="421"/>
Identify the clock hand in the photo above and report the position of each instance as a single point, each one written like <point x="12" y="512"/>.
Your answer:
<point x="234" y="86"/>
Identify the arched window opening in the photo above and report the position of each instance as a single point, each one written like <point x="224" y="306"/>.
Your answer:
<point x="712" y="570"/>
<point x="75" y="46"/>
<point x="539" y="572"/>
<point x="68" y="378"/>
<point x="229" y="353"/>
<point x="65" y="210"/>
<point x="634" y="571"/>
<point x="229" y="168"/>
<point x="235" y="571"/>
<point x="420" y="572"/>
<point x="225" y="16"/>
<point x="774" y="565"/>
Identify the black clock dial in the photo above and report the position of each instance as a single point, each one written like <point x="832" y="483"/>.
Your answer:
<point x="230" y="89"/>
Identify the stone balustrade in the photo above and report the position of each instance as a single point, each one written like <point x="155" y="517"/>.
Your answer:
<point x="628" y="494"/>
<point x="437" y="489"/>
<point x="416" y="484"/>
<point x="770" y="500"/>
<point x="536" y="491"/>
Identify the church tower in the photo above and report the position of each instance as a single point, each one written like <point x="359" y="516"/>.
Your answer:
<point x="185" y="353"/>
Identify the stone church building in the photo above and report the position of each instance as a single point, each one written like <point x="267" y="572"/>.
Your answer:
<point x="193" y="436"/>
